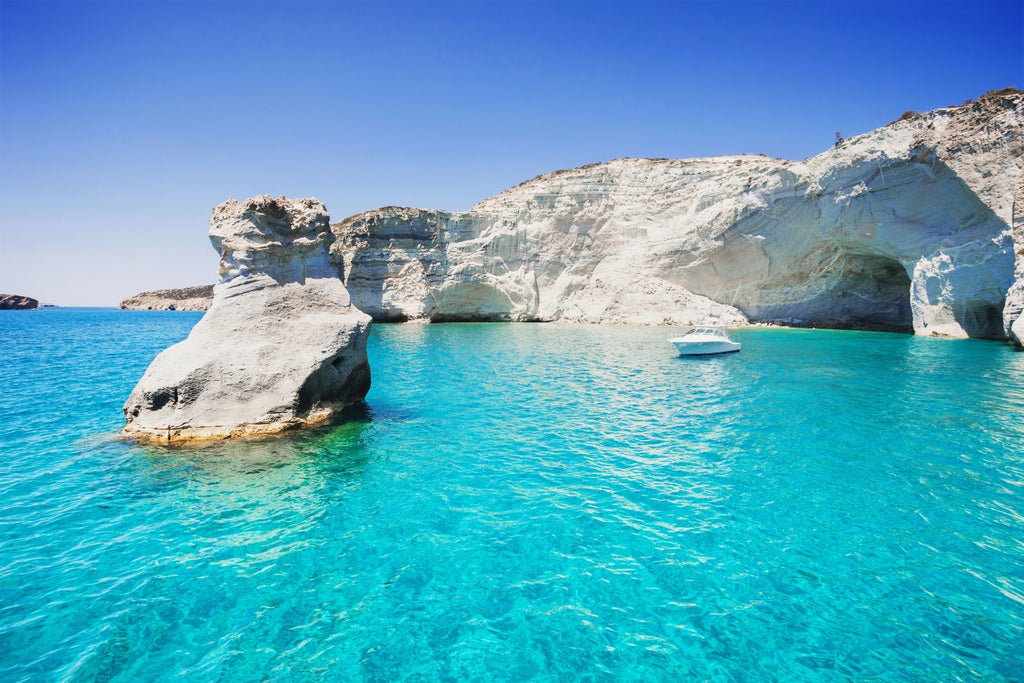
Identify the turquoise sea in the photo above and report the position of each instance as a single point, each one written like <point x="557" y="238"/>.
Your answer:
<point x="523" y="503"/>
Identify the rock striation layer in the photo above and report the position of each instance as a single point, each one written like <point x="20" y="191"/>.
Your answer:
<point x="281" y="345"/>
<point x="917" y="227"/>
<point x="184" y="299"/>
<point x="16" y="302"/>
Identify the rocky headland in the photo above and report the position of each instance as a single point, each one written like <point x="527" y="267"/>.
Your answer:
<point x="16" y="302"/>
<point x="184" y="299"/>
<point x="917" y="227"/>
<point x="280" y="346"/>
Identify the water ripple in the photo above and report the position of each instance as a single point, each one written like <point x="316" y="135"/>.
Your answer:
<point x="524" y="503"/>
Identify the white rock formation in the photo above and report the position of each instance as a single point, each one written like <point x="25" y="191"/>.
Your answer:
<point x="910" y="227"/>
<point x="281" y="344"/>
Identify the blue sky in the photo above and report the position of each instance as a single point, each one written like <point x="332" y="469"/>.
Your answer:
<point x="123" y="123"/>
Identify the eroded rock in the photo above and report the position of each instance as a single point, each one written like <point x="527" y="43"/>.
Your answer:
<point x="281" y="345"/>
<point x="915" y="227"/>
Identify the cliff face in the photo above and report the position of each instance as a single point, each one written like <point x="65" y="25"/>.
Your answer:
<point x="910" y="227"/>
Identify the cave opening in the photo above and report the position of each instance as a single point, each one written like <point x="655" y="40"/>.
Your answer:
<point x="873" y="293"/>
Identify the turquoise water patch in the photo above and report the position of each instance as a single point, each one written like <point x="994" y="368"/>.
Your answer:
<point x="523" y="502"/>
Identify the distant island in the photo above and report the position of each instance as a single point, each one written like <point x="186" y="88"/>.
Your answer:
<point x="184" y="299"/>
<point x="16" y="302"/>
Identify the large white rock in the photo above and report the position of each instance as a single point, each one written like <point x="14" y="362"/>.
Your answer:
<point x="281" y="344"/>
<point x="910" y="227"/>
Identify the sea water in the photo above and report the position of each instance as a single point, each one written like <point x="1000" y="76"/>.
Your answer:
<point x="523" y="502"/>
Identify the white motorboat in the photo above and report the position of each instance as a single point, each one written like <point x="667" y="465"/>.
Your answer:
<point x="704" y="340"/>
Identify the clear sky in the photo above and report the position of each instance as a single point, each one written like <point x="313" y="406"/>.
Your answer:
<point x="123" y="123"/>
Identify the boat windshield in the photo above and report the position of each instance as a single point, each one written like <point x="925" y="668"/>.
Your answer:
<point x="708" y="331"/>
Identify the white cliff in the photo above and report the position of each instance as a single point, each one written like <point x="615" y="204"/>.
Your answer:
<point x="280" y="346"/>
<point x="916" y="226"/>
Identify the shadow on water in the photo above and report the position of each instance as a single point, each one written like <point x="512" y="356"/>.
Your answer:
<point x="708" y="358"/>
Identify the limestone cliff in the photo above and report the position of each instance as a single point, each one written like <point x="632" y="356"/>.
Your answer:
<point x="184" y="299"/>
<point x="281" y="345"/>
<point x="916" y="226"/>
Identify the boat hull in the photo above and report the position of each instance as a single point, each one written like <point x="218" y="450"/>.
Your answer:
<point x="704" y="348"/>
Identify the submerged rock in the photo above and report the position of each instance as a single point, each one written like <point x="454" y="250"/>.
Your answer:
<point x="281" y="345"/>
<point x="184" y="299"/>
<point x="15" y="302"/>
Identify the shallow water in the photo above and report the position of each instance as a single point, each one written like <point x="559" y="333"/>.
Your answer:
<point x="523" y="502"/>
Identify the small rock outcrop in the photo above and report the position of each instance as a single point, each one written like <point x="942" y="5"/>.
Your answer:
<point x="917" y="227"/>
<point x="281" y="345"/>
<point x="15" y="302"/>
<point x="184" y="299"/>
